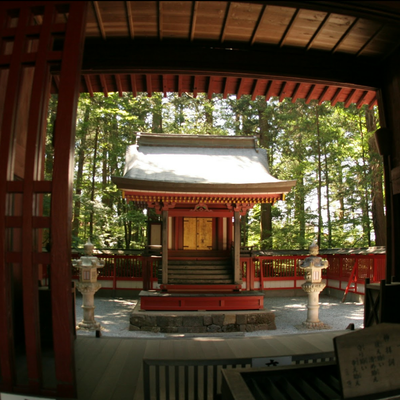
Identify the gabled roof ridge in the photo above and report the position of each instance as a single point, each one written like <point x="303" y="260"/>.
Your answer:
<point x="186" y="140"/>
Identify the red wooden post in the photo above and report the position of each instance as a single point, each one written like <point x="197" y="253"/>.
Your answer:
<point x="61" y="204"/>
<point x="115" y="274"/>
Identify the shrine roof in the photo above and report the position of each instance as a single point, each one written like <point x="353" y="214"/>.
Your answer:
<point x="199" y="164"/>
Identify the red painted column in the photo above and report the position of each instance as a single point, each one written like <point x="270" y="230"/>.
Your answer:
<point x="61" y="202"/>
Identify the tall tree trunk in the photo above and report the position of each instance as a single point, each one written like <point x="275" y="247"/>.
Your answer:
<point x="300" y="210"/>
<point x="319" y="177"/>
<point x="156" y="126"/>
<point x="266" y="226"/>
<point x="96" y="139"/>
<point x="266" y="208"/>
<point x="328" y="210"/>
<point x="76" y="222"/>
<point x="378" y="216"/>
<point x="365" y="202"/>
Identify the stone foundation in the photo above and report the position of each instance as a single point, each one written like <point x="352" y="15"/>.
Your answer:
<point x="201" y="321"/>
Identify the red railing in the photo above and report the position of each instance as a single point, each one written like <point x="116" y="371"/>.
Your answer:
<point x="261" y="272"/>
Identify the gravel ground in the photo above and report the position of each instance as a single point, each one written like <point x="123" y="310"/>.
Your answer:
<point x="113" y="314"/>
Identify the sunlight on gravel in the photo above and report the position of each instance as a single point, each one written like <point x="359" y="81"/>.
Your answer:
<point x="290" y="312"/>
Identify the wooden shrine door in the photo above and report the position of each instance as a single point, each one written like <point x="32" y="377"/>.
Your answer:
<point x="197" y="233"/>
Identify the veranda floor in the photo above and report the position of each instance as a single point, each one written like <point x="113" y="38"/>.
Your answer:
<point x="110" y="368"/>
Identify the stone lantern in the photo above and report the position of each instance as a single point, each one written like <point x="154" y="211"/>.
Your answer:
<point x="313" y="286"/>
<point x="88" y="286"/>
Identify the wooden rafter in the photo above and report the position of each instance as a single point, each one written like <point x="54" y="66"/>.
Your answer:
<point x="289" y="28"/>
<point x="345" y="35"/>
<point x="195" y="86"/>
<point x="268" y="90"/>
<point x="258" y="23"/>
<point x="225" y="94"/>
<point x="335" y="97"/>
<point x="128" y="6"/>
<point x="349" y="98"/>
<point x="133" y="85"/>
<point x="100" y="24"/>
<point x="210" y="90"/>
<point x="180" y="85"/>
<point x="225" y="23"/>
<point x="118" y="84"/>
<point x="89" y="85"/>
<point x="193" y="21"/>
<point x="149" y="85"/>
<point x="321" y="98"/>
<point x="378" y="31"/>
<point x="164" y="83"/>
<point x="282" y="91"/>
<point x="295" y="94"/>
<point x="372" y="102"/>
<point x="104" y="85"/>
<point x="240" y="90"/>
<point x="256" y="88"/>
<point x="310" y="94"/>
<point x="318" y="31"/>
<point x="360" y="101"/>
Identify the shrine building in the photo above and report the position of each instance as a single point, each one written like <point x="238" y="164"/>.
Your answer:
<point x="200" y="185"/>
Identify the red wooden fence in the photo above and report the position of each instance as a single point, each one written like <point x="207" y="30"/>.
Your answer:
<point x="261" y="272"/>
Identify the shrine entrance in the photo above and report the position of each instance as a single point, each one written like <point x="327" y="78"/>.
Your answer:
<point x="197" y="233"/>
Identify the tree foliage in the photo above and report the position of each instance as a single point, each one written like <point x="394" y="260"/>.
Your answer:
<point x="330" y="151"/>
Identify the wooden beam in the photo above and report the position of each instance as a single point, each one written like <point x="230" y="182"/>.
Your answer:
<point x="129" y="56"/>
<point x="258" y="23"/>
<point x="335" y="97"/>
<point x="164" y="83"/>
<point x="226" y="20"/>
<point x="225" y="93"/>
<point x="131" y="28"/>
<point x="236" y="255"/>
<point x="149" y="85"/>
<point x="360" y="101"/>
<point x="296" y="90"/>
<point x="321" y="98"/>
<point x="164" y="240"/>
<point x="256" y="89"/>
<point x="104" y="85"/>
<point x="373" y="37"/>
<point x="282" y="92"/>
<point x="373" y="103"/>
<point x="344" y="36"/>
<point x="61" y="206"/>
<point x="160" y="20"/>
<point x="240" y="89"/>
<point x="118" y="83"/>
<point x="133" y="84"/>
<point x="7" y="341"/>
<point x="349" y="99"/>
<point x="289" y="28"/>
<point x="310" y="94"/>
<point x="317" y="32"/>
<point x="210" y="91"/>
<point x="193" y="19"/>
<point x="195" y="86"/>
<point x="89" y="85"/>
<point x="97" y="14"/>
<point x="180" y="85"/>
<point x="268" y="90"/>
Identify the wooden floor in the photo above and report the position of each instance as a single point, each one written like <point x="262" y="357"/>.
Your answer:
<point x="111" y="368"/>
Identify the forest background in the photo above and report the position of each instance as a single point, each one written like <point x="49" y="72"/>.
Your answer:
<point x="330" y="151"/>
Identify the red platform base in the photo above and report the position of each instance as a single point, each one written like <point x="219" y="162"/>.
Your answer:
<point x="159" y="301"/>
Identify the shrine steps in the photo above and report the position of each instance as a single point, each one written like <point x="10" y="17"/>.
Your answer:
<point x="200" y="272"/>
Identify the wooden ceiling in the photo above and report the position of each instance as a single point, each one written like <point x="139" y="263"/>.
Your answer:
<point x="314" y="50"/>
